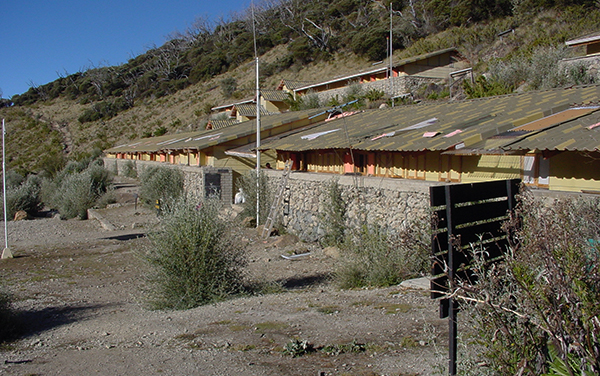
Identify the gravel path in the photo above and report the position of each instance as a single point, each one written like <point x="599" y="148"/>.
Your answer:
<point x="78" y="287"/>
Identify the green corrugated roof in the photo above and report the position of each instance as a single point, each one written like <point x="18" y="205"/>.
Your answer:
<point x="294" y="84"/>
<point x="249" y="110"/>
<point x="477" y="119"/>
<point x="206" y="138"/>
<point x="222" y="123"/>
<point x="581" y="134"/>
<point x="274" y="95"/>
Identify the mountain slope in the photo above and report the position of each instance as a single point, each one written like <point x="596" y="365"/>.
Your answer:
<point x="64" y="119"/>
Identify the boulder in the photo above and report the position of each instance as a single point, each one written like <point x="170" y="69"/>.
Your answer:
<point x="333" y="252"/>
<point x="285" y="241"/>
<point x="21" y="215"/>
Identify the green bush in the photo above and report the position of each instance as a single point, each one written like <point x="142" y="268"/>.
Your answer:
<point x="540" y="68"/>
<point x="160" y="131"/>
<point x="538" y="310"/>
<point x="333" y="216"/>
<point x="374" y="257"/>
<point x="76" y="189"/>
<point x="194" y="259"/>
<point x="13" y="179"/>
<point x="303" y="102"/>
<point x="103" y="110"/>
<point x="130" y="170"/>
<point x="160" y="184"/>
<point x="354" y="92"/>
<point x="484" y="87"/>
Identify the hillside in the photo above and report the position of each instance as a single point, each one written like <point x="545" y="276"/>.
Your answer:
<point x="173" y="87"/>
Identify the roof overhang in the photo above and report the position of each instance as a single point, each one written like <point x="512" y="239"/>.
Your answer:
<point x="476" y="152"/>
<point x="583" y="40"/>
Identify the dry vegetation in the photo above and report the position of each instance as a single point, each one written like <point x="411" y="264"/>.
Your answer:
<point x="188" y="108"/>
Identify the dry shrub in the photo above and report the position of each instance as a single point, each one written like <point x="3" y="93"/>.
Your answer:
<point x="538" y="310"/>
<point x="161" y="184"/>
<point x="76" y="188"/>
<point x="194" y="259"/>
<point x="374" y="257"/>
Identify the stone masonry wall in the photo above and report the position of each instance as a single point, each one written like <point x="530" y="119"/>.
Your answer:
<point x="591" y="63"/>
<point x="402" y="85"/>
<point x="194" y="178"/>
<point x="389" y="203"/>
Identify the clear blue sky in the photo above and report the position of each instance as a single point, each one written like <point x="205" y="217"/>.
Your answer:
<point x="39" y="38"/>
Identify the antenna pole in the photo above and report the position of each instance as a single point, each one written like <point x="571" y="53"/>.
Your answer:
<point x="257" y="123"/>
<point x="391" y="54"/>
<point x="6" y="253"/>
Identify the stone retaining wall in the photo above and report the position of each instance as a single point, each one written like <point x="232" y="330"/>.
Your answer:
<point x="390" y="203"/>
<point x="402" y="85"/>
<point x="195" y="178"/>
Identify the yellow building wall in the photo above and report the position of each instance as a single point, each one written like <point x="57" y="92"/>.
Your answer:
<point x="184" y="158"/>
<point x="432" y="166"/>
<point x="575" y="172"/>
<point x="490" y="167"/>
<point x="415" y="166"/>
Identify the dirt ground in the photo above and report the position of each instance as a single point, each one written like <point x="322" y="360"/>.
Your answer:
<point x="78" y="288"/>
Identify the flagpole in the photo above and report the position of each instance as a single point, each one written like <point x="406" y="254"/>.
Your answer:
<point x="257" y="124"/>
<point x="6" y="253"/>
<point x="391" y="47"/>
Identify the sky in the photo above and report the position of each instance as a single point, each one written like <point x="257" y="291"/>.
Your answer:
<point x="41" y="39"/>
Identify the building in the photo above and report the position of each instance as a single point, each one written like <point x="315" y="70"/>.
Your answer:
<point x="406" y="74"/>
<point x="550" y="139"/>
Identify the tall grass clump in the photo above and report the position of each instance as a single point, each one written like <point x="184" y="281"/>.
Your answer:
<point x="194" y="259"/>
<point x="537" y="312"/>
<point x="76" y="188"/>
<point x="332" y="218"/>
<point x="161" y="184"/>
<point x="372" y="256"/>
<point x="130" y="170"/>
<point x="248" y="185"/>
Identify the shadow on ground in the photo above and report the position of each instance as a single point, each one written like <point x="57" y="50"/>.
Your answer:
<point x="306" y="281"/>
<point x="126" y="237"/>
<point x="31" y="322"/>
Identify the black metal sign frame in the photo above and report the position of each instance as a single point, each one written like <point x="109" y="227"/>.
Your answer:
<point x="465" y="214"/>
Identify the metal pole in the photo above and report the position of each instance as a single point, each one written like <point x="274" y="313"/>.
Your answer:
<point x="257" y="146"/>
<point x="257" y="123"/>
<point x="452" y="304"/>
<point x="6" y="253"/>
<point x="391" y="58"/>
<point x="4" y="185"/>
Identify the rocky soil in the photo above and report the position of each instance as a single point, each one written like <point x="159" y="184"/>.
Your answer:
<point x="79" y="286"/>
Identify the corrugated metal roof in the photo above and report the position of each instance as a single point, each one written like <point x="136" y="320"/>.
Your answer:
<point x="477" y="120"/>
<point x="203" y="139"/>
<point x="294" y="84"/>
<point x="590" y="38"/>
<point x="378" y="70"/>
<point x="249" y="110"/>
<point x="576" y="134"/>
<point x="560" y="117"/>
<point x="230" y="105"/>
<point x="274" y="95"/>
<point x="222" y="123"/>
